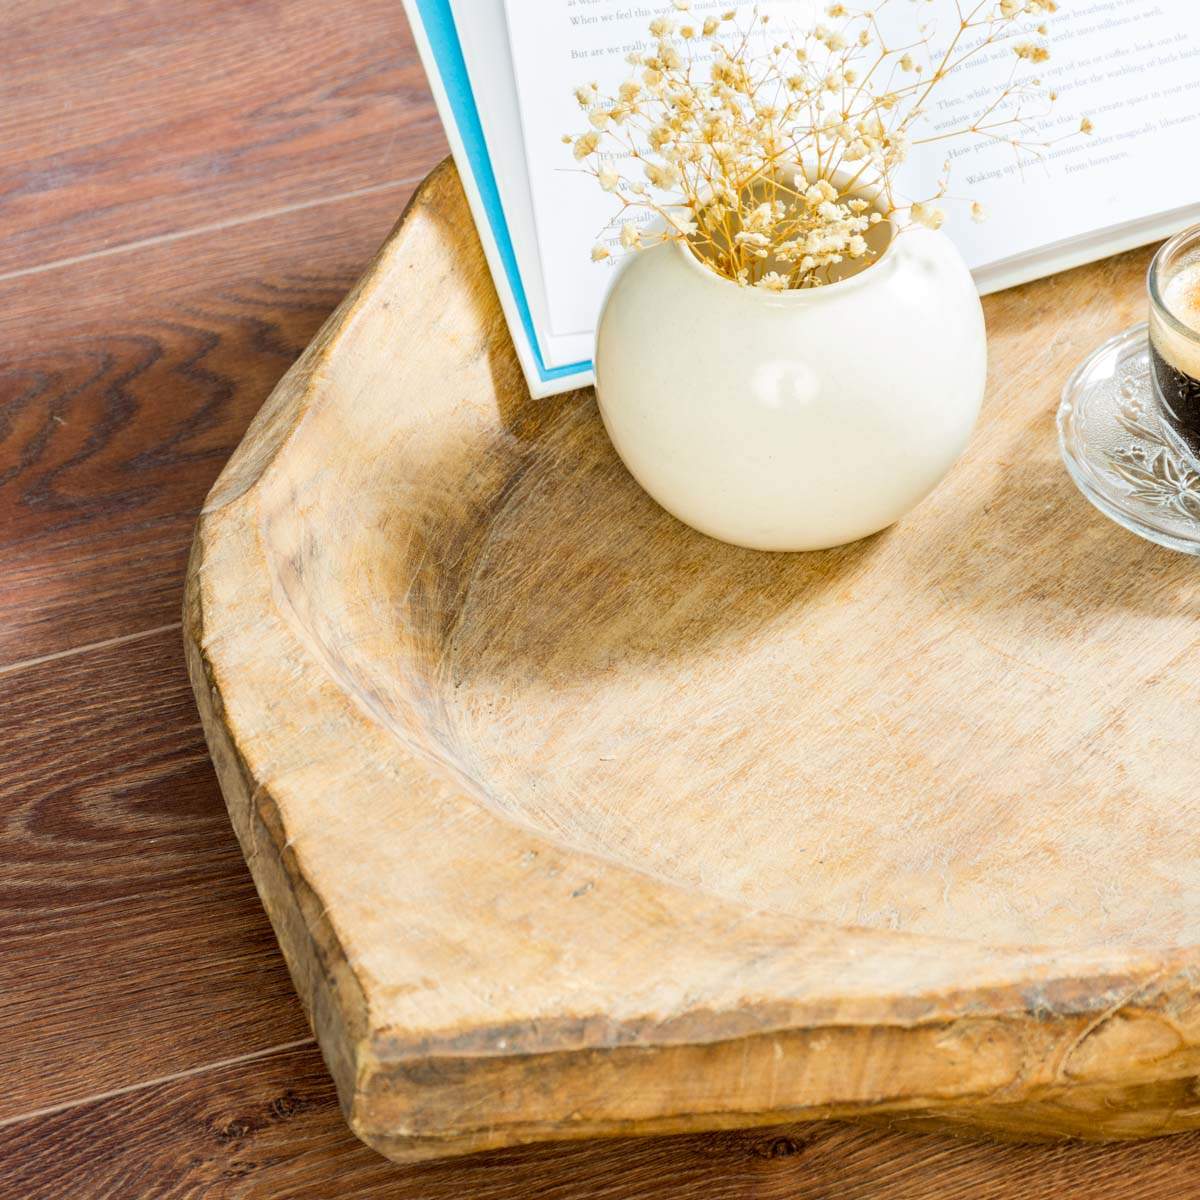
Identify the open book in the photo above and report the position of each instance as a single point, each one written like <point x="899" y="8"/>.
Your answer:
<point x="504" y="74"/>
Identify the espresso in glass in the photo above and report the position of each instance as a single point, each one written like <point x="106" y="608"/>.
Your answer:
<point x="1174" y="286"/>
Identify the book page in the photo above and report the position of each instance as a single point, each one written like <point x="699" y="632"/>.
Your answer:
<point x="1131" y="66"/>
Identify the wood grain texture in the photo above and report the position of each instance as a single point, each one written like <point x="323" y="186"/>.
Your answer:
<point x="123" y="122"/>
<point x="270" y="1128"/>
<point x="132" y="944"/>
<point x="117" y="416"/>
<point x="573" y="822"/>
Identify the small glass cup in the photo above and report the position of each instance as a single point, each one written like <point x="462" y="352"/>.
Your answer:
<point x="1174" y="286"/>
<point x="1129" y="421"/>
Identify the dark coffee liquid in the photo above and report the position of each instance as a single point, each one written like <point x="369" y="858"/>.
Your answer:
<point x="1178" y="395"/>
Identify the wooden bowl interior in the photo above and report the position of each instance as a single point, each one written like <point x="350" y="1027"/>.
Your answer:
<point x="573" y="822"/>
<point x="951" y="728"/>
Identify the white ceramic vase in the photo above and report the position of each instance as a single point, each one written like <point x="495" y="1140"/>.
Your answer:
<point x="795" y="420"/>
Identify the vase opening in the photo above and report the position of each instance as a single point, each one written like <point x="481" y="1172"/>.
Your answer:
<point x="878" y="237"/>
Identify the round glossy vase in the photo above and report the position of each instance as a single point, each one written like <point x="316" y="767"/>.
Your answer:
<point x="796" y="420"/>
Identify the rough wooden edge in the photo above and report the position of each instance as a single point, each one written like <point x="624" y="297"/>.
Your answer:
<point x="332" y="998"/>
<point x="1106" y="1049"/>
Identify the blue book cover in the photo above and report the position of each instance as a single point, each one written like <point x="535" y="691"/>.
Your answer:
<point x="441" y="48"/>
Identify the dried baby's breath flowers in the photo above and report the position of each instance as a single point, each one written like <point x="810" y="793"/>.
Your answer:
<point x="774" y="156"/>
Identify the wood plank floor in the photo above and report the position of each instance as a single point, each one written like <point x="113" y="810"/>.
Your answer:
<point x="185" y="193"/>
<point x="125" y="120"/>
<point x="119" y="413"/>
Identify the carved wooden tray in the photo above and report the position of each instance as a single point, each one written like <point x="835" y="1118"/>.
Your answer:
<point x="573" y="822"/>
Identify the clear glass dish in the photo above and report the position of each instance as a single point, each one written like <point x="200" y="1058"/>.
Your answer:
<point x="1119" y="433"/>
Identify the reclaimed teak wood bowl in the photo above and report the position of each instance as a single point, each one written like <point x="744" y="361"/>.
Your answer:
<point x="573" y="822"/>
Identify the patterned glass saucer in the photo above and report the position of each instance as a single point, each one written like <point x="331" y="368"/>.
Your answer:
<point x="1113" y="445"/>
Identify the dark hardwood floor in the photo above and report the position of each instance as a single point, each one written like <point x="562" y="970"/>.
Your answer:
<point x="186" y="191"/>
